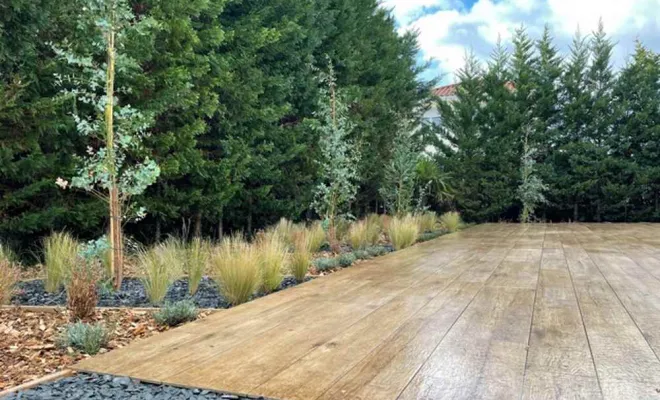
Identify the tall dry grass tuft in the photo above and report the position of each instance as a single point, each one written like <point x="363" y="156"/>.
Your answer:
<point x="403" y="231"/>
<point x="60" y="255"/>
<point x="428" y="221"/>
<point x="301" y="257"/>
<point x="9" y="276"/>
<point x="81" y="293"/>
<point x="358" y="235"/>
<point x="374" y="229"/>
<point x="197" y="258"/>
<point x="235" y="266"/>
<point x="285" y="229"/>
<point x="317" y="236"/>
<point x="273" y="256"/>
<point x="451" y="221"/>
<point x="159" y="267"/>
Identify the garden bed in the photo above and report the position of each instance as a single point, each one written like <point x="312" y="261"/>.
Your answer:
<point x="88" y="386"/>
<point x="131" y="294"/>
<point x="28" y="340"/>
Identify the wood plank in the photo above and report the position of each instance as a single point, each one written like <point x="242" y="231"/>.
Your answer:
<point x="619" y="349"/>
<point x="483" y="355"/>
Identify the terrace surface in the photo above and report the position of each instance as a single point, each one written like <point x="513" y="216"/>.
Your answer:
<point x="496" y="311"/>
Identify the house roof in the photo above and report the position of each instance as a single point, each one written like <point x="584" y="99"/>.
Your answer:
<point x="445" y="91"/>
<point x="450" y="90"/>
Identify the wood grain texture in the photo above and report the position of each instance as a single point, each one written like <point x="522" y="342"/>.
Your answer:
<point x="497" y="311"/>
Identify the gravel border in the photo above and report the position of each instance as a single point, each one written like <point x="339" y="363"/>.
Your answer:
<point x="95" y="386"/>
<point x="132" y="294"/>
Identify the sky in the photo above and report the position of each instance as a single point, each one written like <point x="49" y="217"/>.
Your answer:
<point x="449" y="28"/>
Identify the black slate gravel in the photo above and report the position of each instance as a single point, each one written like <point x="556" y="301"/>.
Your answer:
<point x="131" y="294"/>
<point x="94" y="386"/>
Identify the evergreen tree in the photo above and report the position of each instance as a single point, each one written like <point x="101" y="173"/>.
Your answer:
<point x="462" y="154"/>
<point x="636" y="141"/>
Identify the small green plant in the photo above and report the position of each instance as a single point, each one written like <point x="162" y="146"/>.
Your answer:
<point x="428" y="221"/>
<point x="60" y="255"/>
<point x="317" y="236"/>
<point x="301" y="256"/>
<point x="324" y="264"/>
<point x="158" y="268"/>
<point x="346" y="260"/>
<point x="174" y="314"/>
<point x="197" y="256"/>
<point x="403" y="231"/>
<point x="9" y="276"/>
<point x="375" y="251"/>
<point x="88" y="338"/>
<point x="273" y="256"/>
<point x="451" y="221"/>
<point x="236" y="268"/>
<point x="362" y="254"/>
<point x="358" y="235"/>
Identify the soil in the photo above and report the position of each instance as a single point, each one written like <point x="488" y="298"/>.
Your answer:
<point x="28" y="339"/>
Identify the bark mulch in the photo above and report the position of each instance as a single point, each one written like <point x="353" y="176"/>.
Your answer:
<point x="28" y="339"/>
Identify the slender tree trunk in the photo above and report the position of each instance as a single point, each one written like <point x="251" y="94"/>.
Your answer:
<point x="198" y="225"/>
<point x="157" y="234"/>
<point x="249" y="217"/>
<point x="575" y="211"/>
<point x="117" y="259"/>
<point x="220" y="228"/>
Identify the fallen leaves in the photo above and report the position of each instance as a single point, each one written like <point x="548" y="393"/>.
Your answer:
<point x="28" y="340"/>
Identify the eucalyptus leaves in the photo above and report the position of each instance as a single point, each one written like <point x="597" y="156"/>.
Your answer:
<point x="110" y="169"/>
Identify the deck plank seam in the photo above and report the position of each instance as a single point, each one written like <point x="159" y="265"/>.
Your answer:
<point x="531" y="322"/>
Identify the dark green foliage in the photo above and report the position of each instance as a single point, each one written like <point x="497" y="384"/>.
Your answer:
<point x="233" y="91"/>
<point x="569" y="139"/>
<point x="177" y="313"/>
<point x="88" y="338"/>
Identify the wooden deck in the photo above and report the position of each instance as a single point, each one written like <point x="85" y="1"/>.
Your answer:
<point x="496" y="311"/>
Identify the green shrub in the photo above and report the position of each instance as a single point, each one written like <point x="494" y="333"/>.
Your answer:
<point x="88" y="338"/>
<point x="428" y="221"/>
<point x="426" y="236"/>
<point x="159" y="267"/>
<point x="60" y="254"/>
<point x="451" y="221"/>
<point x="324" y="264"/>
<point x="273" y="255"/>
<point x="173" y="314"/>
<point x="403" y="231"/>
<point x="346" y="260"/>
<point x="362" y="254"/>
<point x="236" y="267"/>
<point x="375" y="251"/>
<point x="197" y="256"/>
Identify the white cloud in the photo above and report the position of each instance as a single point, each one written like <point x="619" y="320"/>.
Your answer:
<point x="448" y="29"/>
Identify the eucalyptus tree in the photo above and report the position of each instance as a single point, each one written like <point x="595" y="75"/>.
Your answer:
<point x="339" y="156"/>
<point x="97" y="55"/>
